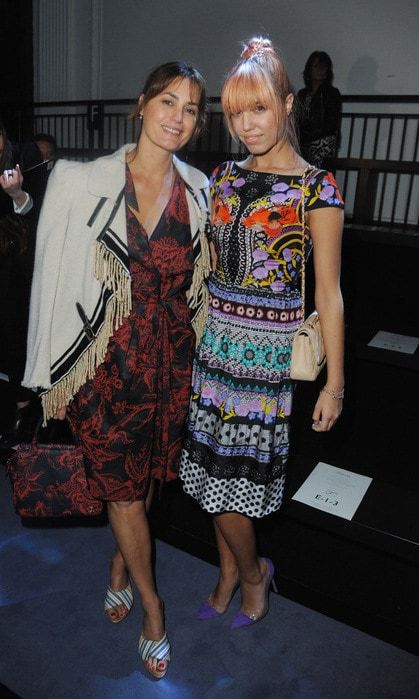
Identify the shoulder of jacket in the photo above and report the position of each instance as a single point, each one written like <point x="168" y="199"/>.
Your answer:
<point x="331" y="89"/>
<point x="68" y="174"/>
<point x="112" y="160"/>
<point x="71" y="168"/>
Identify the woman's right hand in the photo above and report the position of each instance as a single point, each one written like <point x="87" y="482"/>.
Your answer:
<point x="60" y="413"/>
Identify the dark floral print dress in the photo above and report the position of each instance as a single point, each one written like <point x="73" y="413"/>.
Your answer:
<point x="237" y="441"/>
<point x="131" y="415"/>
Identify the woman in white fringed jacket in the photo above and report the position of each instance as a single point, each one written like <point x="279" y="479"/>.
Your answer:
<point x="118" y="301"/>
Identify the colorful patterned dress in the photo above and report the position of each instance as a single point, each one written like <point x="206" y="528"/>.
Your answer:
<point x="132" y="414"/>
<point x="236" y="447"/>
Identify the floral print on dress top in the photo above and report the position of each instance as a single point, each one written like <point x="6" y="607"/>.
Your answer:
<point x="132" y="413"/>
<point x="237" y="442"/>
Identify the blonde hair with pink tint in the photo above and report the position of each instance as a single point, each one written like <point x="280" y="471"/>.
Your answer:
<point x="260" y="78"/>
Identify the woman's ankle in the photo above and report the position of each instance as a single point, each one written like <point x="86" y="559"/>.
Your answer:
<point x="119" y="577"/>
<point x="228" y="578"/>
<point x="152" y="604"/>
<point x="256" y="575"/>
<point x="153" y="619"/>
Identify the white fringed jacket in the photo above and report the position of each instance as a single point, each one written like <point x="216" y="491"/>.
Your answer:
<point x="81" y="289"/>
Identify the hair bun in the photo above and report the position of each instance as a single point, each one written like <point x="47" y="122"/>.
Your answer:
<point x="258" y="46"/>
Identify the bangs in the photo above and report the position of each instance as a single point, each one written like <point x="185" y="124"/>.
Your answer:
<point x="245" y="90"/>
<point x="195" y="89"/>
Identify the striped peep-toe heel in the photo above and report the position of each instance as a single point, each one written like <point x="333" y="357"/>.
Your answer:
<point x="116" y="598"/>
<point x="155" y="650"/>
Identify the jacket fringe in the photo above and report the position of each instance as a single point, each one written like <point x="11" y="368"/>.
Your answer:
<point x="110" y="271"/>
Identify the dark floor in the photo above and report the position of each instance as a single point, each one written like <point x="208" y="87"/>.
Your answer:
<point x="57" y="643"/>
<point x="364" y="572"/>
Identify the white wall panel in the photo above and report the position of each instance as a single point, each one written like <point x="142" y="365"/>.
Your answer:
<point x="111" y="46"/>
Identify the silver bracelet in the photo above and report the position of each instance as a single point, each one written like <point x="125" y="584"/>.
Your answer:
<point x="337" y="395"/>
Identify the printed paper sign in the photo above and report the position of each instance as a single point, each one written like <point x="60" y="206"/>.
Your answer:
<point x="333" y="490"/>
<point x="394" y="342"/>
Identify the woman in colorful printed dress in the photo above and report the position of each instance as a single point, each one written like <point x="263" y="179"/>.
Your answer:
<point x="236" y="448"/>
<point x="118" y="298"/>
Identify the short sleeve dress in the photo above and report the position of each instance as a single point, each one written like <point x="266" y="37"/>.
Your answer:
<point x="237" y="440"/>
<point x="131" y="415"/>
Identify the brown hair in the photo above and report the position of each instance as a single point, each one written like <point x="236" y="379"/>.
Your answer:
<point x="260" y="78"/>
<point x="321" y="57"/>
<point x="163" y="75"/>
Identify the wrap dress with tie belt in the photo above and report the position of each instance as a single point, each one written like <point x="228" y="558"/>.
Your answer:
<point x="131" y="415"/>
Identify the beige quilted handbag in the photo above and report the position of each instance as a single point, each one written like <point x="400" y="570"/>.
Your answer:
<point x="308" y="356"/>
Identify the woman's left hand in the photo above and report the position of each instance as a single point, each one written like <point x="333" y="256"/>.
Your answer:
<point x="326" y="412"/>
<point x="60" y="413"/>
<point x="213" y="256"/>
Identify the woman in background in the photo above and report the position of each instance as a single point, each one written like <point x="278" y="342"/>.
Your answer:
<point x="117" y="301"/>
<point x="237" y="444"/>
<point x="320" y="107"/>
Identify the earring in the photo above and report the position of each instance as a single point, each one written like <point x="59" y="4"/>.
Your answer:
<point x="140" y="116"/>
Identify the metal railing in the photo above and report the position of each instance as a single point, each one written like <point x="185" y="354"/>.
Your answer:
<point x="376" y="168"/>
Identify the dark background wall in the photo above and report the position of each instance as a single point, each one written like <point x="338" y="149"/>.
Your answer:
<point x="16" y="64"/>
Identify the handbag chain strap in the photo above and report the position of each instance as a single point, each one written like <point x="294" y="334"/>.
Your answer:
<point x="304" y="177"/>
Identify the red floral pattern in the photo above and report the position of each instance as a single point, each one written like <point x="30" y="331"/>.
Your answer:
<point x="132" y="413"/>
<point x="49" y="480"/>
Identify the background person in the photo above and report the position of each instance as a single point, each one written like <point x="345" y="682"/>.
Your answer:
<point x="237" y="444"/>
<point x="19" y="208"/>
<point x="118" y="297"/>
<point x="47" y="145"/>
<point x="320" y="107"/>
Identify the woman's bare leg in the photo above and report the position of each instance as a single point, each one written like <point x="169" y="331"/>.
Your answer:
<point x="239" y="534"/>
<point x="130" y="527"/>
<point x="229" y="574"/>
<point x="119" y="579"/>
<point x="119" y="576"/>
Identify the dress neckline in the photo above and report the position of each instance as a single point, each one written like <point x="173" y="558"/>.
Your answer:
<point x="262" y="172"/>
<point x="133" y="203"/>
